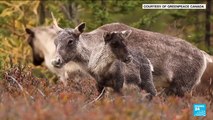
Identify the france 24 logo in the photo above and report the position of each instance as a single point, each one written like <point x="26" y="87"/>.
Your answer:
<point x="199" y="109"/>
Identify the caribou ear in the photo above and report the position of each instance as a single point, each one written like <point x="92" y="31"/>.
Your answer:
<point x="107" y="36"/>
<point x="126" y="33"/>
<point x="80" y="28"/>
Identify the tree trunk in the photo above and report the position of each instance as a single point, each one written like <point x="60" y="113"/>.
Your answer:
<point x="103" y="3"/>
<point x="41" y="11"/>
<point x="70" y="11"/>
<point x="208" y="24"/>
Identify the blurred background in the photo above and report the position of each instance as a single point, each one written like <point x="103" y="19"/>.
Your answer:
<point x="192" y="25"/>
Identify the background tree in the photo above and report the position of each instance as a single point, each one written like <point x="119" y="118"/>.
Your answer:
<point x="41" y="10"/>
<point x="208" y="23"/>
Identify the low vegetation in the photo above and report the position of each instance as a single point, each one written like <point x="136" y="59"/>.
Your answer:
<point x="24" y="96"/>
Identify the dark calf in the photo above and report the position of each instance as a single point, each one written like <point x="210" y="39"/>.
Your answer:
<point x="102" y="64"/>
<point x="143" y="78"/>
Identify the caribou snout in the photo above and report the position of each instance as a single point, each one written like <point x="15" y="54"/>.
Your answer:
<point x="57" y="62"/>
<point x="128" y="59"/>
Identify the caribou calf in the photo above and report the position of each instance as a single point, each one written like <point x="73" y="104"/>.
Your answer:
<point x="102" y="58"/>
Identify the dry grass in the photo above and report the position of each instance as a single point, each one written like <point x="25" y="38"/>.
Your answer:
<point x="24" y="97"/>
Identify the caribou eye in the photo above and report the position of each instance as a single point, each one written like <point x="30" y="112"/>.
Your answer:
<point x="70" y="42"/>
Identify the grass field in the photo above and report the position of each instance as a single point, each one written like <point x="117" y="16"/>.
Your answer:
<point x="25" y="97"/>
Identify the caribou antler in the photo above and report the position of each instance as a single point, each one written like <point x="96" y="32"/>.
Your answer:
<point x="55" y="24"/>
